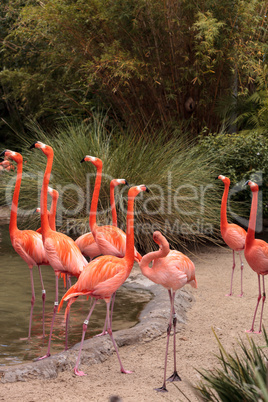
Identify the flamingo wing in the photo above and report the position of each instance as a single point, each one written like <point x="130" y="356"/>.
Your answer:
<point x="28" y="244"/>
<point x="235" y="237"/>
<point x="257" y="256"/>
<point x="95" y="279"/>
<point x="111" y="241"/>
<point x="64" y="255"/>
<point x="87" y="245"/>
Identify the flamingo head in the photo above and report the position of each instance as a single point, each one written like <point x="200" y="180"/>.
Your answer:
<point x="46" y="149"/>
<point x="95" y="161"/>
<point x="15" y="156"/>
<point x="224" y="179"/>
<point x="116" y="182"/>
<point x="253" y="186"/>
<point x="53" y="193"/>
<point x="135" y="190"/>
<point x="162" y="242"/>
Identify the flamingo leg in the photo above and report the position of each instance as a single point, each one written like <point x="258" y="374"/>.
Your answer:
<point x="175" y="376"/>
<point x="164" y="388"/>
<point x="56" y="303"/>
<point x="43" y="298"/>
<point x="32" y="302"/>
<point x="104" y="332"/>
<point x="263" y="301"/>
<point x="110" y="332"/>
<point x="232" y="276"/>
<point x="258" y="301"/>
<point x="242" y="268"/>
<point x="67" y="316"/>
<point x="85" y="324"/>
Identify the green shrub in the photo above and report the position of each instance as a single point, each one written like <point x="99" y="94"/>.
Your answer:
<point x="241" y="377"/>
<point x="183" y="202"/>
<point x="240" y="157"/>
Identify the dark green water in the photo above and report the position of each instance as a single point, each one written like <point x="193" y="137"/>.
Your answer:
<point x="15" y="303"/>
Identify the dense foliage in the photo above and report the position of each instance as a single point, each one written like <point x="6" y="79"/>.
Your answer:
<point x="150" y="63"/>
<point x="241" y="157"/>
<point x="183" y="202"/>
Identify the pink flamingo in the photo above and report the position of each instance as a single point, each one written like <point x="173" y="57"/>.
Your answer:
<point x="62" y="253"/>
<point x="110" y="239"/>
<point x="53" y="209"/>
<point x="89" y="247"/>
<point x="256" y="252"/>
<point x="52" y="222"/>
<point x="86" y="242"/>
<point x="233" y="235"/>
<point x="173" y="270"/>
<point x="103" y="276"/>
<point x="6" y="165"/>
<point x="27" y="243"/>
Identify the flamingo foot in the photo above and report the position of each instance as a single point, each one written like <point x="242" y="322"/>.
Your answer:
<point x="174" y="377"/>
<point x="101" y="334"/>
<point x="79" y="373"/>
<point x="249" y="331"/>
<point x="257" y="332"/>
<point x="125" y="371"/>
<point x="241" y="295"/>
<point x="43" y="357"/>
<point x="161" y="389"/>
<point x="229" y="294"/>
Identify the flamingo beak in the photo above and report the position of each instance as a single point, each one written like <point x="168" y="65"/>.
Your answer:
<point x="33" y="145"/>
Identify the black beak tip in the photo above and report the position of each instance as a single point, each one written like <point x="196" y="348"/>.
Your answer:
<point x="126" y="183"/>
<point x="3" y="153"/>
<point x="83" y="160"/>
<point x="33" y="145"/>
<point x="147" y="190"/>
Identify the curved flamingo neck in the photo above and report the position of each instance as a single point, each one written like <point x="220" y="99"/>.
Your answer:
<point x="52" y="213"/>
<point x="252" y="219"/>
<point x="44" y="215"/>
<point x="95" y="199"/>
<point x="15" y="200"/>
<point x="224" y="222"/>
<point x="147" y="258"/>
<point x="112" y="203"/>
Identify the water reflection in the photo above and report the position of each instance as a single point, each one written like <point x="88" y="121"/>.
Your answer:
<point x="15" y="299"/>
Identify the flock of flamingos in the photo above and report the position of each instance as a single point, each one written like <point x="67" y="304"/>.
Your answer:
<point x="102" y="276"/>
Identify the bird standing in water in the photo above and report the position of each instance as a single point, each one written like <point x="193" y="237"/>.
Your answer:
<point x="171" y="269"/>
<point x="62" y="253"/>
<point x="102" y="277"/>
<point x="27" y="243"/>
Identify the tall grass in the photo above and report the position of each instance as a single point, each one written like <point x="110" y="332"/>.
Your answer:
<point x="242" y="375"/>
<point x="183" y="202"/>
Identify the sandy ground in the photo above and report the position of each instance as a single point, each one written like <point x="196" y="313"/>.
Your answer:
<point x="196" y="345"/>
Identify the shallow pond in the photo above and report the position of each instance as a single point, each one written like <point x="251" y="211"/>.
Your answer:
<point x="15" y="303"/>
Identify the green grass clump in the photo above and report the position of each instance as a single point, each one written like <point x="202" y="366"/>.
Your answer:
<point x="183" y="202"/>
<point x="241" y="377"/>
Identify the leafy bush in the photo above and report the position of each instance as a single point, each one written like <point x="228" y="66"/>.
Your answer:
<point x="240" y="157"/>
<point x="242" y="376"/>
<point x="182" y="204"/>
